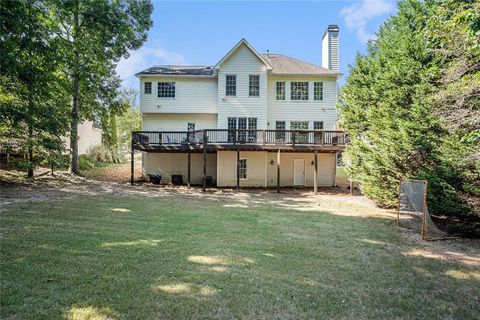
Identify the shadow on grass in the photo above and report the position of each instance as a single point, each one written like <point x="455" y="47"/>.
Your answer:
<point x="273" y="258"/>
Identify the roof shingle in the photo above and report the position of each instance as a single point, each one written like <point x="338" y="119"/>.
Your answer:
<point x="287" y="65"/>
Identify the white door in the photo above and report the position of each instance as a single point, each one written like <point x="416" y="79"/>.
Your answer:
<point x="298" y="172"/>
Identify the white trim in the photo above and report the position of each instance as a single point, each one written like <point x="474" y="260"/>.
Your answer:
<point x="246" y="167"/>
<point x="244" y="42"/>
<point x="304" y="173"/>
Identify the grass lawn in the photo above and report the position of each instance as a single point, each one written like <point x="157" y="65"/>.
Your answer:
<point x="182" y="257"/>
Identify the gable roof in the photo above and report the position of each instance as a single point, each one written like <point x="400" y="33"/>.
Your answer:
<point x="243" y="42"/>
<point x="275" y="63"/>
<point x="178" y="70"/>
<point x="287" y="65"/>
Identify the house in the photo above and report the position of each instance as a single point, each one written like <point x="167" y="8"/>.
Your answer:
<point x="89" y="135"/>
<point x="250" y="120"/>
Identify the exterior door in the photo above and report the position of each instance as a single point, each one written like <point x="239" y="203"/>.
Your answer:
<point x="298" y="172"/>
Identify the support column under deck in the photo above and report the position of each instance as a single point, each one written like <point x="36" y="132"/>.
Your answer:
<point x="238" y="170"/>
<point x="315" y="172"/>
<point x="278" y="171"/>
<point x="132" y="165"/>
<point x="189" y="169"/>
<point x="204" y="160"/>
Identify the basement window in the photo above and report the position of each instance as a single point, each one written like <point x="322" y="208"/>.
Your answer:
<point x="243" y="168"/>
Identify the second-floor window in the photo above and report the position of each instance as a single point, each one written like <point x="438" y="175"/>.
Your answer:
<point x="253" y="86"/>
<point x="280" y="90"/>
<point x="318" y="91"/>
<point x="166" y="90"/>
<point x="299" y="90"/>
<point x="231" y="85"/>
<point x="148" y="88"/>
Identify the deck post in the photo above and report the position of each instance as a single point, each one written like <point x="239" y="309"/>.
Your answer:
<point x="132" y="164"/>
<point x="315" y="171"/>
<point x="238" y="169"/>
<point x="278" y="171"/>
<point x="189" y="169"/>
<point x="204" y="160"/>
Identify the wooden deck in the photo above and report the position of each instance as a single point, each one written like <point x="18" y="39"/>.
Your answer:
<point x="213" y="140"/>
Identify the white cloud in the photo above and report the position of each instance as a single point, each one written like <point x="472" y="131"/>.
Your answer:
<point x="357" y="15"/>
<point x="143" y="58"/>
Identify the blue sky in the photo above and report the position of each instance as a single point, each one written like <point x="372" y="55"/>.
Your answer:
<point x="202" y="32"/>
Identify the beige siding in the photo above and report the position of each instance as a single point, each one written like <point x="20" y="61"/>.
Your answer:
<point x="310" y="110"/>
<point x="242" y="63"/>
<point x="192" y="95"/>
<point x="88" y="137"/>
<point x="326" y="168"/>
<point x="177" y="122"/>
<point x="168" y="164"/>
<point x="227" y="168"/>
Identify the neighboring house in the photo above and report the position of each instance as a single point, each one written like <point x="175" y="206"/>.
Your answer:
<point x="89" y="135"/>
<point x="248" y="120"/>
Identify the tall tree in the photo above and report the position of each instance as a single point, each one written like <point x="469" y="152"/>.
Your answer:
<point x="32" y="97"/>
<point x="398" y="100"/>
<point x="95" y="34"/>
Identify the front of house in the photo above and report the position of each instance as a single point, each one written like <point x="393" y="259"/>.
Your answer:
<point x="251" y="120"/>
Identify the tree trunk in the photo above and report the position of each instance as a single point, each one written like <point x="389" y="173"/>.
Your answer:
<point x="74" y="165"/>
<point x="30" y="151"/>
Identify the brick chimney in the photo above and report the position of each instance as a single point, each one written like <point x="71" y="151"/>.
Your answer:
<point x="330" y="48"/>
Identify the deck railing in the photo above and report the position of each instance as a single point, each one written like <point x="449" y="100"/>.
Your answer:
<point x="240" y="137"/>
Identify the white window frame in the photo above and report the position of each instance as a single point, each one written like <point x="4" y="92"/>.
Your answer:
<point x="308" y="91"/>
<point x="321" y="91"/>
<point x="284" y="90"/>
<point x="174" y="90"/>
<point x="245" y="169"/>
<point x="249" y="85"/>
<point x="226" y="85"/>
<point x="145" y="87"/>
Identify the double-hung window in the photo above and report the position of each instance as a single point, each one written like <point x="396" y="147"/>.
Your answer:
<point x="166" y="90"/>
<point x="299" y="90"/>
<point x="280" y="90"/>
<point x="253" y="86"/>
<point x="231" y="85"/>
<point x="243" y="168"/>
<point x="147" y="88"/>
<point x="318" y="91"/>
